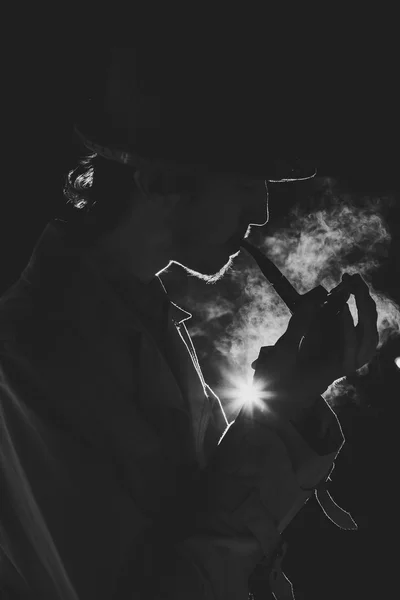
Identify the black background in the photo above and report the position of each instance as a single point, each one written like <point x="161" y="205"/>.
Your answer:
<point x="356" y="125"/>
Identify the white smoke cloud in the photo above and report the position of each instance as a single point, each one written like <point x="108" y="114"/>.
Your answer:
<point x="216" y="310"/>
<point x="318" y="245"/>
<point x="315" y="249"/>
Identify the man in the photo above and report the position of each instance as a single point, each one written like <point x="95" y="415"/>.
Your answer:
<point x="122" y="477"/>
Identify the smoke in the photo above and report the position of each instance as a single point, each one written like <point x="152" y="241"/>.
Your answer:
<point x="316" y="248"/>
<point x="319" y="247"/>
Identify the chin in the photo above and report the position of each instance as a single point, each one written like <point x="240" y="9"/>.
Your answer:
<point x="209" y="269"/>
<point x="234" y="254"/>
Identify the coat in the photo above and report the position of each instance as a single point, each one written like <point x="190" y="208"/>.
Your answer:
<point x="121" y="475"/>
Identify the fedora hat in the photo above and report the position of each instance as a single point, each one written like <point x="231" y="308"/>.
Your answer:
<point x="193" y="107"/>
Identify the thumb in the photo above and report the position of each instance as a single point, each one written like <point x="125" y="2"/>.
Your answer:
<point x="265" y="351"/>
<point x="316" y="295"/>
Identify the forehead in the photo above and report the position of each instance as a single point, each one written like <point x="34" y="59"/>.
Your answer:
<point x="232" y="188"/>
<point x="229" y="178"/>
<point x="204" y="179"/>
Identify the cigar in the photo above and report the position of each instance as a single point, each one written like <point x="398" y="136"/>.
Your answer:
<point x="332" y="304"/>
<point x="281" y="285"/>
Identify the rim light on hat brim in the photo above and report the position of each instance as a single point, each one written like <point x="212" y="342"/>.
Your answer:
<point x="139" y="162"/>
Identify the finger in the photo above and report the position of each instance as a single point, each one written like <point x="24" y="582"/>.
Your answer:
<point x="367" y="328"/>
<point x="287" y="347"/>
<point x="349" y="343"/>
<point x="302" y="319"/>
<point x="340" y="356"/>
<point x="332" y="344"/>
<point x="263" y="357"/>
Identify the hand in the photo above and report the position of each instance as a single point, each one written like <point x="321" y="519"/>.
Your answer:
<point x="314" y="352"/>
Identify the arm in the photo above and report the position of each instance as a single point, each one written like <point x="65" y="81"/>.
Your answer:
<point x="260" y="475"/>
<point x="68" y="526"/>
<point x="74" y="485"/>
<point x="267" y="464"/>
<point x="273" y="461"/>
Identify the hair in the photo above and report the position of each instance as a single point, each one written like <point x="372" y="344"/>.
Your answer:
<point x="99" y="193"/>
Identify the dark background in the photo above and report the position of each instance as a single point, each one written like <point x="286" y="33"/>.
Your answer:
<point x="357" y="121"/>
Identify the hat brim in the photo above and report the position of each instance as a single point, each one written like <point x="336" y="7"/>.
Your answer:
<point x="282" y="170"/>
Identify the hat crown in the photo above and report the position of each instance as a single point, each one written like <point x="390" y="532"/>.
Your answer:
<point x="193" y="105"/>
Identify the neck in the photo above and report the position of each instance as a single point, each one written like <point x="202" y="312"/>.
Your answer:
<point x="126" y="253"/>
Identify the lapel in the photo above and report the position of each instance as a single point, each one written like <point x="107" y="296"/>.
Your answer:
<point x="104" y="366"/>
<point x="173" y="389"/>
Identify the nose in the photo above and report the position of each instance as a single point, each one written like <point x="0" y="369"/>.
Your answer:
<point x="260" y="216"/>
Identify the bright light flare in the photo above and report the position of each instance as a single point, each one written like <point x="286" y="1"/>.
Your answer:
<point x="397" y="362"/>
<point x="241" y="391"/>
<point x="248" y="393"/>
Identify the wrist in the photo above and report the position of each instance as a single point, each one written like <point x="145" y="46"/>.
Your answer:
<point x="289" y="405"/>
<point x="301" y="414"/>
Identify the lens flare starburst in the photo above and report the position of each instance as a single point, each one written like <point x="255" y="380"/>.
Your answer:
<point x="248" y="393"/>
<point x="242" y="392"/>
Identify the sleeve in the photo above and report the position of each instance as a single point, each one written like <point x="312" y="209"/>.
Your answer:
<point x="64" y="522"/>
<point x="261" y="473"/>
<point x="69" y="530"/>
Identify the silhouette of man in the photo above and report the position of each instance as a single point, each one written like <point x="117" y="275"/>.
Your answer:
<point x="122" y="477"/>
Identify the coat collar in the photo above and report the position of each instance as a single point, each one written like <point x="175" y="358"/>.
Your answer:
<point x="73" y="292"/>
<point x="149" y="300"/>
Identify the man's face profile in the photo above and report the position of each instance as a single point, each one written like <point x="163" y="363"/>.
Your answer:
<point x="199" y="231"/>
<point x="207" y="229"/>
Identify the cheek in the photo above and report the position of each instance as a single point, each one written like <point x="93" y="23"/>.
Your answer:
<point x="210" y="220"/>
<point x="217" y="227"/>
<point x="189" y="228"/>
<point x="198" y="223"/>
